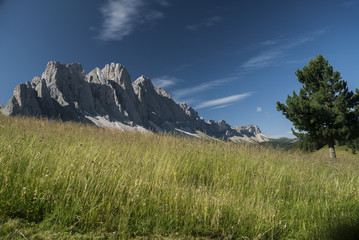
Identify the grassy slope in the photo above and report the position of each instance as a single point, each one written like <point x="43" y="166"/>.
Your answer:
<point x="72" y="181"/>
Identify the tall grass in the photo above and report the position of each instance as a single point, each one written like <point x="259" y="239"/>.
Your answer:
<point x="73" y="181"/>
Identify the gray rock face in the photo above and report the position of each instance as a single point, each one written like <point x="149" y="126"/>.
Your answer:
<point x="23" y="101"/>
<point x="250" y="130"/>
<point x="156" y="105"/>
<point x="108" y="98"/>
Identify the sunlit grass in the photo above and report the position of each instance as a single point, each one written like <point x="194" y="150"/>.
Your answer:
<point x="73" y="181"/>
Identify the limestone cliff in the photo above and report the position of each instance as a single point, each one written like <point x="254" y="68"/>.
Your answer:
<point x="107" y="98"/>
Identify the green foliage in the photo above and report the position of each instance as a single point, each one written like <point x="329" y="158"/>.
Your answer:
<point x="307" y="144"/>
<point x="325" y="109"/>
<point x="353" y="145"/>
<point x="280" y="142"/>
<point x="73" y="181"/>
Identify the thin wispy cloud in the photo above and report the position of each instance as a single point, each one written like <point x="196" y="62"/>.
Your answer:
<point x="262" y="60"/>
<point x="209" y="22"/>
<point x="278" y="50"/>
<point x="304" y="39"/>
<point x="185" y="92"/>
<point x="183" y="66"/>
<point x="121" y="17"/>
<point x="348" y="3"/>
<point x="163" y="2"/>
<point x="222" y="102"/>
<point x="269" y="42"/>
<point x="164" y="81"/>
<point x="221" y="106"/>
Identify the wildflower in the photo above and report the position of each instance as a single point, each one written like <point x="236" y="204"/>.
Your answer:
<point x="166" y="198"/>
<point x="175" y="173"/>
<point x="9" y="146"/>
<point x="214" y="179"/>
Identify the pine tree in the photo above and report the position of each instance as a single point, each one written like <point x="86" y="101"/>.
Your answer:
<point x="325" y="109"/>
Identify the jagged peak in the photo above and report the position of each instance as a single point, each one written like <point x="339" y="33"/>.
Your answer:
<point x="183" y="105"/>
<point x="53" y="64"/>
<point x="249" y="128"/>
<point x="64" y="90"/>
<point x="36" y="80"/>
<point x="113" y="67"/>
<point x="75" y="67"/>
<point x="143" y="82"/>
<point x="72" y="67"/>
<point x="162" y="92"/>
<point x="118" y="73"/>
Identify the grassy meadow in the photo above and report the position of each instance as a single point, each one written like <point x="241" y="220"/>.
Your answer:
<point x="74" y="181"/>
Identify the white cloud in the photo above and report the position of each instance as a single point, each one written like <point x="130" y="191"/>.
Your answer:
<point x="223" y="101"/>
<point x="164" y="81"/>
<point x="209" y="22"/>
<point x="259" y="109"/>
<point x="122" y="16"/>
<point x="279" y="49"/>
<point x="184" y="92"/>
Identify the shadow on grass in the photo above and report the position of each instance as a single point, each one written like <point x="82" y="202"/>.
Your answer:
<point x="347" y="231"/>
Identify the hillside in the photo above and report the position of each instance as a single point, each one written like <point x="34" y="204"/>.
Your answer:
<point x="75" y="181"/>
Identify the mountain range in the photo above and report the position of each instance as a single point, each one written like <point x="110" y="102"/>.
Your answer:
<point x="107" y="98"/>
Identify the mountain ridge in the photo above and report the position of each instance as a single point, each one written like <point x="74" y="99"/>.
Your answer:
<point x="108" y="98"/>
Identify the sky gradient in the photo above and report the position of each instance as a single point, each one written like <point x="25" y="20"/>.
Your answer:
<point x="229" y="60"/>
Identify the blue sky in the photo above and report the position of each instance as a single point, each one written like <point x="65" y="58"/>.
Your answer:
<point x="230" y="59"/>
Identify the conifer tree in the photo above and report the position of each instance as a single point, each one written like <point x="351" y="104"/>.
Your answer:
<point x="325" y="109"/>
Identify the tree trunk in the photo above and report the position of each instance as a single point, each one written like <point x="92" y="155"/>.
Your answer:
<point x="332" y="150"/>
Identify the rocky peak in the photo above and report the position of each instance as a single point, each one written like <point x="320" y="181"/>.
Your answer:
<point x="143" y="83"/>
<point x="144" y="89"/>
<point x="51" y="70"/>
<point x="223" y="126"/>
<point x="23" y="101"/>
<point x="162" y="92"/>
<point x="250" y="130"/>
<point x="220" y="126"/>
<point x="107" y="97"/>
<point x="117" y="73"/>
<point x="76" y="68"/>
<point x="189" y="111"/>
